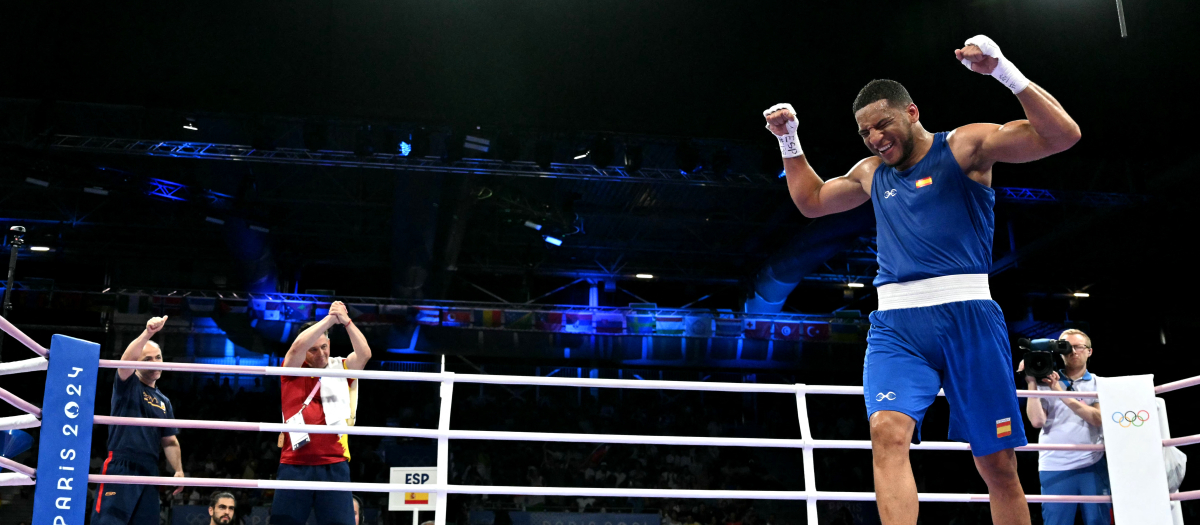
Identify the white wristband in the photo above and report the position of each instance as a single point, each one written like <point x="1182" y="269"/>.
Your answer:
<point x="1006" y="72"/>
<point x="1010" y="76"/>
<point x="789" y="144"/>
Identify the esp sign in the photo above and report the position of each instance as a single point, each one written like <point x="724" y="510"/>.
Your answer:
<point x="412" y="500"/>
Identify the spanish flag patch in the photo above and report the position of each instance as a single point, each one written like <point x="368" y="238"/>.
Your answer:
<point x="416" y="498"/>
<point x="1004" y="427"/>
<point x="924" y="182"/>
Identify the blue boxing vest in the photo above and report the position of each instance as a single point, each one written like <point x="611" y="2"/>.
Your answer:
<point x="932" y="219"/>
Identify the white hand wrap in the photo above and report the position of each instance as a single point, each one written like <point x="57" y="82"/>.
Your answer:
<point x="1005" y="71"/>
<point x="789" y="145"/>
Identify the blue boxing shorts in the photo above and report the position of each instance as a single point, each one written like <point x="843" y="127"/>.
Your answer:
<point x="961" y="347"/>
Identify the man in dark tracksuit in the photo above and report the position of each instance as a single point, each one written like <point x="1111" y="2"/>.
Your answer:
<point x="134" y="451"/>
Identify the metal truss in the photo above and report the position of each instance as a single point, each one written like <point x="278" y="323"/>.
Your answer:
<point x="1086" y="198"/>
<point x="202" y="150"/>
<point x="181" y="295"/>
<point x="175" y="191"/>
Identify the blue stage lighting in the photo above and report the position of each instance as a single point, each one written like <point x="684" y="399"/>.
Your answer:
<point x="404" y="148"/>
<point x="552" y="240"/>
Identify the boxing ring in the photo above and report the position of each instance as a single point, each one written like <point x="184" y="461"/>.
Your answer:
<point x="25" y="475"/>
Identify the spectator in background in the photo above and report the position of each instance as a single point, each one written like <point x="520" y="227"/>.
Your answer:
<point x="358" y="505"/>
<point x="221" y="508"/>
<point x="1067" y="420"/>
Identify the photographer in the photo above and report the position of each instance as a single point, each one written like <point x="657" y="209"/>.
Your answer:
<point x="1065" y="420"/>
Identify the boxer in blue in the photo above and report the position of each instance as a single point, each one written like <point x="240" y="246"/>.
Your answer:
<point x="937" y="326"/>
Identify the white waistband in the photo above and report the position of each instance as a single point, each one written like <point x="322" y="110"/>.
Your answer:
<point x="934" y="291"/>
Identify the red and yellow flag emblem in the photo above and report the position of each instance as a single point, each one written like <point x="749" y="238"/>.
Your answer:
<point x="924" y="182"/>
<point x="416" y="498"/>
<point x="1004" y="427"/>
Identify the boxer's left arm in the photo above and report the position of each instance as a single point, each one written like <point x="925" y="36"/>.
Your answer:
<point x="1046" y="130"/>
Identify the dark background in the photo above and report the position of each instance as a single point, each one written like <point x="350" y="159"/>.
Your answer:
<point x="677" y="69"/>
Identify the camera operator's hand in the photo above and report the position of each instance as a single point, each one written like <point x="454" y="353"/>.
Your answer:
<point x="1030" y="382"/>
<point x="1053" y="382"/>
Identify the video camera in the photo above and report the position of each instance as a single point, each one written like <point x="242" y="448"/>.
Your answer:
<point x="1041" y="355"/>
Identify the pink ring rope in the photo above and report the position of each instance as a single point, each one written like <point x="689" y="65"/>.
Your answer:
<point x="24" y="339"/>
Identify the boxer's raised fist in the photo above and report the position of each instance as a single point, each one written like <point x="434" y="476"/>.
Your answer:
<point x="972" y="56"/>
<point x="781" y="119"/>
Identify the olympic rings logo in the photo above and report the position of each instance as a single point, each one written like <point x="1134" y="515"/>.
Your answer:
<point x="1130" y="418"/>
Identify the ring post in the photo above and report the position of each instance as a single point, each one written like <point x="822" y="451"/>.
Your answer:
<point x="810" y="467"/>
<point x="443" y="450"/>
<point x="65" y="445"/>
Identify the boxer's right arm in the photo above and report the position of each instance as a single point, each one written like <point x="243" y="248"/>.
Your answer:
<point x="815" y="197"/>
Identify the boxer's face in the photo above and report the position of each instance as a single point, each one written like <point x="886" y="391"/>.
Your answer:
<point x="887" y="131"/>
<point x="318" y="355"/>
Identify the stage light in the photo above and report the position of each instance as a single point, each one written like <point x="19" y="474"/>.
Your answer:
<point x="783" y="174"/>
<point x="1081" y="294"/>
<point x="855" y="285"/>
<point x="533" y="225"/>
<point x="260" y="229"/>
<point x="552" y="240"/>
<point x="37" y="182"/>
<point x="96" y="191"/>
<point x="481" y="145"/>
<point x="644" y="276"/>
<point x="39" y="248"/>
<point x="582" y="155"/>
<point x="404" y="148"/>
<point x="190" y="123"/>
<point x="214" y="220"/>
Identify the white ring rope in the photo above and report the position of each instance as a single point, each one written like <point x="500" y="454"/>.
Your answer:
<point x="19" y="422"/>
<point x="582" y="382"/>
<point x="20" y="477"/>
<point x="625" y="439"/>
<point x="576" y="491"/>
<point x="12" y="479"/>
<point x="34" y="364"/>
